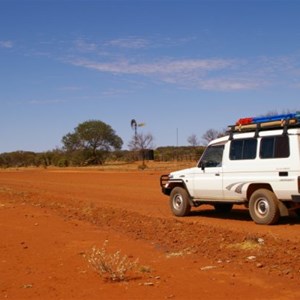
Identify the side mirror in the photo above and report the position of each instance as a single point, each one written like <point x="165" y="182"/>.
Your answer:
<point x="202" y="165"/>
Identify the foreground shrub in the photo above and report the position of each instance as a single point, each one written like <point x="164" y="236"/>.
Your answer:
<point x="111" y="266"/>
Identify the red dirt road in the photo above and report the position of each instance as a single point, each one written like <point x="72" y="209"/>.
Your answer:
<point x="51" y="219"/>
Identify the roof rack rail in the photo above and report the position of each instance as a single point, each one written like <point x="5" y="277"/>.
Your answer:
<point x="264" y="123"/>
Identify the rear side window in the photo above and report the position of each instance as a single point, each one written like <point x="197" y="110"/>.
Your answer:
<point x="275" y="147"/>
<point x="243" y="149"/>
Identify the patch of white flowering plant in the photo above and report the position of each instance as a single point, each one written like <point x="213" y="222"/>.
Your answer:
<point x="111" y="266"/>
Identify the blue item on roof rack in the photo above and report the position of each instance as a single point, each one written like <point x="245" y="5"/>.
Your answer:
<point x="277" y="118"/>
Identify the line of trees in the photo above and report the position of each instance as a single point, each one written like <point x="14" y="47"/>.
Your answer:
<point x="95" y="142"/>
<point x="60" y="158"/>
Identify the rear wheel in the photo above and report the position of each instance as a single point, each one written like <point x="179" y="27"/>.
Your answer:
<point x="263" y="207"/>
<point x="179" y="202"/>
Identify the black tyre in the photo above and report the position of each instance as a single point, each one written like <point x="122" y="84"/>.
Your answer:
<point x="223" y="208"/>
<point x="263" y="207"/>
<point x="179" y="202"/>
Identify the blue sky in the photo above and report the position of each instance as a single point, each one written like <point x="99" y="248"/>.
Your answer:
<point x="178" y="66"/>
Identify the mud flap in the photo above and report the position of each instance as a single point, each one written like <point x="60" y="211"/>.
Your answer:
<point x="284" y="212"/>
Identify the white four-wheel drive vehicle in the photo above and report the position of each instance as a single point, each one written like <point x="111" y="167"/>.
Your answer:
<point x="257" y="164"/>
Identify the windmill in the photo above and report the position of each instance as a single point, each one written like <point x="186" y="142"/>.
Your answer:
<point x="134" y="126"/>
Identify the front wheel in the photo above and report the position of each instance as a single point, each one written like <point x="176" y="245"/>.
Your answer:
<point x="263" y="207"/>
<point x="179" y="202"/>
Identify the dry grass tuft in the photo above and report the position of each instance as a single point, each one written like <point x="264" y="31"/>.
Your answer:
<point x="249" y="243"/>
<point x="111" y="266"/>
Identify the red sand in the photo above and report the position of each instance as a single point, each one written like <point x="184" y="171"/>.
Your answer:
<point x="51" y="219"/>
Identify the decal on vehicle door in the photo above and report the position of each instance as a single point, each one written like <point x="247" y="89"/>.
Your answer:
<point x="237" y="186"/>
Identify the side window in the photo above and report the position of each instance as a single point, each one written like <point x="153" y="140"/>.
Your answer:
<point x="243" y="149"/>
<point x="275" y="147"/>
<point x="212" y="157"/>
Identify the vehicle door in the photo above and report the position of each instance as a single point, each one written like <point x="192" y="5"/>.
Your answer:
<point x="208" y="177"/>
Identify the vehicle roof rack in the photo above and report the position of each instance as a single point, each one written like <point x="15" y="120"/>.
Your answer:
<point x="284" y="121"/>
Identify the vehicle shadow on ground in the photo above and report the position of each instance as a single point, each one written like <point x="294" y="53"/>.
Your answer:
<point x="234" y="214"/>
<point x="240" y="215"/>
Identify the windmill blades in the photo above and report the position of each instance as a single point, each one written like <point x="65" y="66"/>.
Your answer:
<point x="133" y="124"/>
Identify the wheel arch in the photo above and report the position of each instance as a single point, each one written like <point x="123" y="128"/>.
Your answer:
<point x="256" y="186"/>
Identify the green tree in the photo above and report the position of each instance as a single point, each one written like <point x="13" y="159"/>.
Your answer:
<point x="94" y="140"/>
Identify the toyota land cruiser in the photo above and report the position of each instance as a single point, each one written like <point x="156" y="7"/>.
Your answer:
<point x="256" y="164"/>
